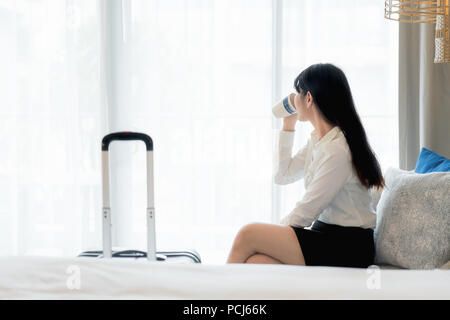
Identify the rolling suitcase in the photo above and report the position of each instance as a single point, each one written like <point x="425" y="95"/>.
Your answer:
<point x="186" y="256"/>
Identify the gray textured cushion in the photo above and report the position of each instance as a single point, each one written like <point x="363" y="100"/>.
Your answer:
<point x="413" y="220"/>
<point x="376" y="193"/>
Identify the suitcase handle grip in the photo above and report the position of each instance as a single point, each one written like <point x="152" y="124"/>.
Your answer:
<point x="127" y="135"/>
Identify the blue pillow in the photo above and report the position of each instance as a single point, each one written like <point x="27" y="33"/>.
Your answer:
<point x="430" y="161"/>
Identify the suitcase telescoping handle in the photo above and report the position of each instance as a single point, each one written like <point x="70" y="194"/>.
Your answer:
<point x="127" y="135"/>
<point x="151" y="238"/>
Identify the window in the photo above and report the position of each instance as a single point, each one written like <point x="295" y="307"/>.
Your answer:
<point x="198" y="77"/>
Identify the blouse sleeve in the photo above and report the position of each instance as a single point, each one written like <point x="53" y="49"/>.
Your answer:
<point x="289" y="169"/>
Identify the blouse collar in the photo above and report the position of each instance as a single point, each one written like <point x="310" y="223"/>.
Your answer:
<point x="330" y="135"/>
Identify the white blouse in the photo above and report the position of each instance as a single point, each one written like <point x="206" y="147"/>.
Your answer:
<point x="333" y="192"/>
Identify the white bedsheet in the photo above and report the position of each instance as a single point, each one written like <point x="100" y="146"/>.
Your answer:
<point x="50" y="278"/>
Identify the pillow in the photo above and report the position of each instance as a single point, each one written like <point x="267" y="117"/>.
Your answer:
<point x="413" y="220"/>
<point x="430" y="161"/>
<point x="375" y="193"/>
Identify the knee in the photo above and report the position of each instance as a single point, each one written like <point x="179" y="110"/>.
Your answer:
<point x="244" y="235"/>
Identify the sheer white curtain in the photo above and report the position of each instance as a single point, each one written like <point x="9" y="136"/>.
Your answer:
<point x="201" y="88"/>
<point x="52" y="117"/>
<point x="197" y="76"/>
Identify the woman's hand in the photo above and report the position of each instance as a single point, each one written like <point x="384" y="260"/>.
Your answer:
<point x="289" y="122"/>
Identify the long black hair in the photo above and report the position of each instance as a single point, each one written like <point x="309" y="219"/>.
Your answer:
<point x="331" y="93"/>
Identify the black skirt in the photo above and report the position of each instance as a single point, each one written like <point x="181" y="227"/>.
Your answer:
<point x="338" y="246"/>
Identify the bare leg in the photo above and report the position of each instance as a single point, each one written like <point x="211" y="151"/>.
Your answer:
<point x="260" y="258"/>
<point x="278" y="242"/>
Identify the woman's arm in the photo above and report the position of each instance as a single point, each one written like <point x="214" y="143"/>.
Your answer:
<point x="289" y="169"/>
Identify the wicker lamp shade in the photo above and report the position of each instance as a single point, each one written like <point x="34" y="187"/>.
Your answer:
<point x="424" y="11"/>
<point x="442" y="36"/>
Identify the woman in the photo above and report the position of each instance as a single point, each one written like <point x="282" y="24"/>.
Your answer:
<point x="339" y="168"/>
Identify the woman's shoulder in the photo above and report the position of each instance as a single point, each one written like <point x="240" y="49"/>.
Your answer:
<point x="338" y="147"/>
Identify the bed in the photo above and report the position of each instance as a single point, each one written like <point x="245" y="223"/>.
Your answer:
<point x="32" y="277"/>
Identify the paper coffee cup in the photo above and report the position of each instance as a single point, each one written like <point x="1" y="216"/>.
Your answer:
<point x="284" y="108"/>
